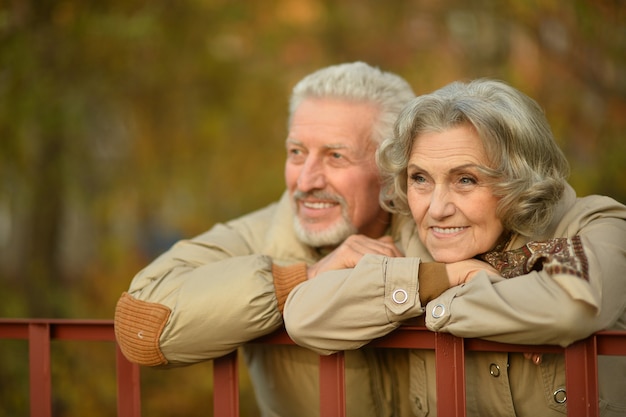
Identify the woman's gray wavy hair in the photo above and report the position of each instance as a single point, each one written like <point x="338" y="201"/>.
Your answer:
<point x="527" y="169"/>
<point x="358" y="82"/>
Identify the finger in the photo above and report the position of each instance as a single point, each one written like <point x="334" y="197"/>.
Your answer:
<point x="357" y="243"/>
<point x="381" y="248"/>
<point x="385" y="239"/>
<point x="535" y="358"/>
<point x="356" y="246"/>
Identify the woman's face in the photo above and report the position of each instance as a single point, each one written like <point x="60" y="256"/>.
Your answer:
<point x="450" y="200"/>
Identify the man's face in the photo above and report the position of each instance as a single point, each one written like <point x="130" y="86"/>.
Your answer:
<point x="331" y="172"/>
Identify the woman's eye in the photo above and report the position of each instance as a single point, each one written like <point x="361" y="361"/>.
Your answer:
<point x="418" y="178"/>
<point x="467" y="182"/>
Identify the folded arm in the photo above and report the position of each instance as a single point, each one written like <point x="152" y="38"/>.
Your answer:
<point x="577" y="289"/>
<point x="347" y="308"/>
<point x="198" y="301"/>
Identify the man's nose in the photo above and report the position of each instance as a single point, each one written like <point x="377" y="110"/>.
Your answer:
<point x="312" y="176"/>
<point x="441" y="202"/>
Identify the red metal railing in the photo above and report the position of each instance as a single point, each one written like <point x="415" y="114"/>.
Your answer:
<point x="580" y="364"/>
<point x="580" y="360"/>
<point x="39" y="333"/>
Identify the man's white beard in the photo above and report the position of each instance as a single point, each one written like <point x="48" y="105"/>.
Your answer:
<point x="331" y="236"/>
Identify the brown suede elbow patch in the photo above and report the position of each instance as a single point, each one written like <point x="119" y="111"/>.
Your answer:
<point x="433" y="280"/>
<point x="138" y="327"/>
<point x="285" y="279"/>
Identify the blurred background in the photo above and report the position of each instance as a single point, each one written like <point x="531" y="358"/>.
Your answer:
<point x="128" y="124"/>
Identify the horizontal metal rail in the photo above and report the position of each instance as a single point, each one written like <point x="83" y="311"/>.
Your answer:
<point x="580" y="361"/>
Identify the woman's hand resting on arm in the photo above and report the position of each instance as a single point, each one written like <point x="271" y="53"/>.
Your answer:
<point x="463" y="271"/>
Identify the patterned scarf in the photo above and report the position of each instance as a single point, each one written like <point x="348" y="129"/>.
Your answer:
<point x="555" y="256"/>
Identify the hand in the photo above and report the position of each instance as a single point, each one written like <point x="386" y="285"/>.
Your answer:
<point x="463" y="271"/>
<point x="350" y="252"/>
<point x="536" y="358"/>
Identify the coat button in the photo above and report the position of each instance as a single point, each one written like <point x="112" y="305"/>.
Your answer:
<point x="399" y="296"/>
<point x="560" y="396"/>
<point x="494" y="370"/>
<point x="438" y="311"/>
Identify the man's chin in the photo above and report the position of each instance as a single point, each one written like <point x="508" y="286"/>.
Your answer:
<point x="331" y="235"/>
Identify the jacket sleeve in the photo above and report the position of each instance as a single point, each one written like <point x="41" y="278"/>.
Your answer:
<point x="200" y="300"/>
<point x="346" y="309"/>
<point x="553" y="305"/>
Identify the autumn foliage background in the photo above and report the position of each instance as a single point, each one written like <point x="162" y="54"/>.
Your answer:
<point x="128" y="124"/>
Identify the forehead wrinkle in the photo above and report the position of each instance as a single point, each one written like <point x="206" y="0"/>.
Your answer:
<point x="337" y="146"/>
<point x="327" y="146"/>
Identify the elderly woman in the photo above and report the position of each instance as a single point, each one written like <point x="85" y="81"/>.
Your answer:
<point x="499" y="248"/>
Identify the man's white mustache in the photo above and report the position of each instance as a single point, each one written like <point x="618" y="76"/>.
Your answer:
<point x="320" y="195"/>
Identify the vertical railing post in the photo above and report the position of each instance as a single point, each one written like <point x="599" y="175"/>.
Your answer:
<point x="450" y="369"/>
<point x="332" y="385"/>
<point x="128" y="386"/>
<point x="40" y="376"/>
<point x="226" y="386"/>
<point x="581" y="368"/>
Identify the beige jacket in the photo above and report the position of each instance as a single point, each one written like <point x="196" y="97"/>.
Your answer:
<point x="210" y="295"/>
<point x="561" y="292"/>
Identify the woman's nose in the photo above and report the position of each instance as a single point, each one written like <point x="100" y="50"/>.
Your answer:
<point x="441" y="204"/>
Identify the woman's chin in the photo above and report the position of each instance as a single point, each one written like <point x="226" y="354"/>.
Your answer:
<point x="449" y="256"/>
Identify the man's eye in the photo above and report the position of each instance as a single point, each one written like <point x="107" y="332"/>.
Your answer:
<point x="336" y="155"/>
<point x="295" y="153"/>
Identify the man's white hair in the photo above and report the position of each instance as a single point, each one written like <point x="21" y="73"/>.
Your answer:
<point x="358" y="82"/>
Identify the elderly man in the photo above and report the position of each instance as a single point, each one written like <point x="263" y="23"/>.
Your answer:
<point x="208" y="296"/>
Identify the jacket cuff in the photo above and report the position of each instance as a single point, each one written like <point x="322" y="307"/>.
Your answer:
<point x="433" y="281"/>
<point x="138" y="325"/>
<point x="285" y="280"/>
